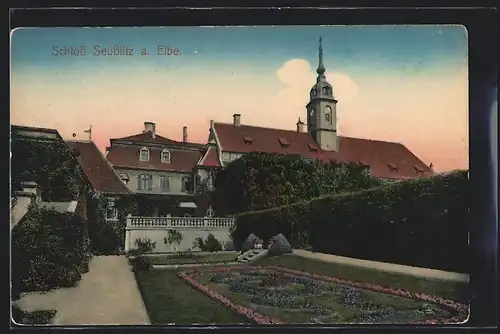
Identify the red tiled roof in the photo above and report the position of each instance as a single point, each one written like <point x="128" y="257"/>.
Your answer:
<point x="232" y="139"/>
<point x="210" y="158"/>
<point x="147" y="137"/>
<point x="98" y="171"/>
<point x="378" y="155"/>
<point x="128" y="157"/>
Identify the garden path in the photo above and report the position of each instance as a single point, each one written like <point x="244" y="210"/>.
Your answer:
<point x="106" y="295"/>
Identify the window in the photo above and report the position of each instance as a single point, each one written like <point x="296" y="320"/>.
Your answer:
<point x="165" y="156"/>
<point x="328" y="115"/>
<point x="283" y="142"/>
<point x="165" y="183"/>
<point x="111" y="211"/>
<point x="392" y="167"/>
<point x="247" y="140"/>
<point x="327" y="91"/>
<point x="124" y="177"/>
<point x="145" y="182"/>
<point x="144" y="156"/>
<point x="185" y="184"/>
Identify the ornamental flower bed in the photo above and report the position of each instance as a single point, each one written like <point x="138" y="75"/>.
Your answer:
<point x="290" y="290"/>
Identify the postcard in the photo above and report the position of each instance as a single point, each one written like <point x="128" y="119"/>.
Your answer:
<point x="239" y="175"/>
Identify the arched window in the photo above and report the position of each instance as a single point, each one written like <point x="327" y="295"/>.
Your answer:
<point x="165" y="156"/>
<point x="328" y="115"/>
<point x="144" y="156"/>
<point x="327" y="91"/>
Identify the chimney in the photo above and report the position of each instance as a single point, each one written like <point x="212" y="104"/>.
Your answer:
<point x="150" y="127"/>
<point x="185" y="134"/>
<point x="237" y="119"/>
<point x="300" y="126"/>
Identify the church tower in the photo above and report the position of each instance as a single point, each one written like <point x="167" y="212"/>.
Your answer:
<point x="322" y="110"/>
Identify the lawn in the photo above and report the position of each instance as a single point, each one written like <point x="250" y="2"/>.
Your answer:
<point x="192" y="258"/>
<point x="169" y="299"/>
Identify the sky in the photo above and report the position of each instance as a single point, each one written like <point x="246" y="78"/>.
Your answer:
<point x="407" y="84"/>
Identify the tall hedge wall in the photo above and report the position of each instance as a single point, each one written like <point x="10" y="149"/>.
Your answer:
<point x="259" y="181"/>
<point x="422" y="222"/>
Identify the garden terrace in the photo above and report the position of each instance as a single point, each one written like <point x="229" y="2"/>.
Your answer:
<point x="162" y="288"/>
<point x="276" y="295"/>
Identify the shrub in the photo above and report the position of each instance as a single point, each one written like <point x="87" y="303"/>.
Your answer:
<point x="279" y="245"/>
<point x="258" y="181"/>
<point x="48" y="251"/>
<point x="249" y="243"/>
<point x="138" y="261"/>
<point x="211" y="244"/>
<point x="174" y="238"/>
<point x="421" y="222"/>
<point x="32" y="318"/>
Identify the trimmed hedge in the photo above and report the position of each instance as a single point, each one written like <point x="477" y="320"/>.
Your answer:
<point x="259" y="181"/>
<point x="422" y="222"/>
<point x="48" y="251"/>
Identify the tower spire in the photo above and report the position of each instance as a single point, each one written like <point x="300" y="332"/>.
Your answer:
<point x="321" y="67"/>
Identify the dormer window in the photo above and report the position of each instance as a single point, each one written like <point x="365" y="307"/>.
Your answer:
<point x="418" y="170"/>
<point x="165" y="156"/>
<point x="313" y="148"/>
<point x="362" y="163"/>
<point x="124" y="177"/>
<point x="248" y="140"/>
<point x="144" y="154"/>
<point x="283" y="142"/>
<point x="392" y="167"/>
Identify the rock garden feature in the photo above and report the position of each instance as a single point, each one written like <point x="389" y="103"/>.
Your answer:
<point x="276" y="295"/>
<point x="249" y="243"/>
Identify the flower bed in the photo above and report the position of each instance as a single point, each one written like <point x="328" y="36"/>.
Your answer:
<point x="280" y="292"/>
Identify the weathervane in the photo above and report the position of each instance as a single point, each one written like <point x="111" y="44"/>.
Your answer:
<point x="89" y="131"/>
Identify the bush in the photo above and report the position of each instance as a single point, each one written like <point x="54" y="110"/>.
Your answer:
<point x="32" y="318"/>
<point x="48" y="251"/>
<point x="249" y="243"/>
<point x="211" y="244"/>
<point x="259" y="181"/>
<point x="421" y="222"/>
<point x="138" y="261"/>
<point x="279" y="245"/>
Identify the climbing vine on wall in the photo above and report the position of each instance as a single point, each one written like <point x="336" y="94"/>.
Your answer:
<point x="51" y="164"/>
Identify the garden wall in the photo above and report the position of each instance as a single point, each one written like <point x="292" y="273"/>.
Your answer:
<point x="423" y="222"/>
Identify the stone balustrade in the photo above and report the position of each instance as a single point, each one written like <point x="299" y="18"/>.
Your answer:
<point x="134" y="222"/>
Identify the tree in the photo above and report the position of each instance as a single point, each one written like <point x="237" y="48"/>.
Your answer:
<point x="174" y="238"/>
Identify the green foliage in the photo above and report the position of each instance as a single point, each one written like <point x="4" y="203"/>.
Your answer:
<point x="422" y="222"/>
<point x="48" y="251"/>
<point x="138" y="260"/>
<point x="259" y="181"/>
<point x="211" y="244"/>
<point x="52" y="165"/>
<point x="105" y="237"/>
<point x="174" y="238"/>
<point x="32" y="318"/>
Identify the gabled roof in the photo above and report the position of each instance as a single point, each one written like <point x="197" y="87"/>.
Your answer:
<point x="209" y="158"/>
<point x="127" y="156"/>
<point x="386" y="159"/>
<point x="99" y="172"/>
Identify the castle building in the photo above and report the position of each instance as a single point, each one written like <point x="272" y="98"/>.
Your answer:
<point x="170" y="177"/>
<point x="320" y="140"/>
